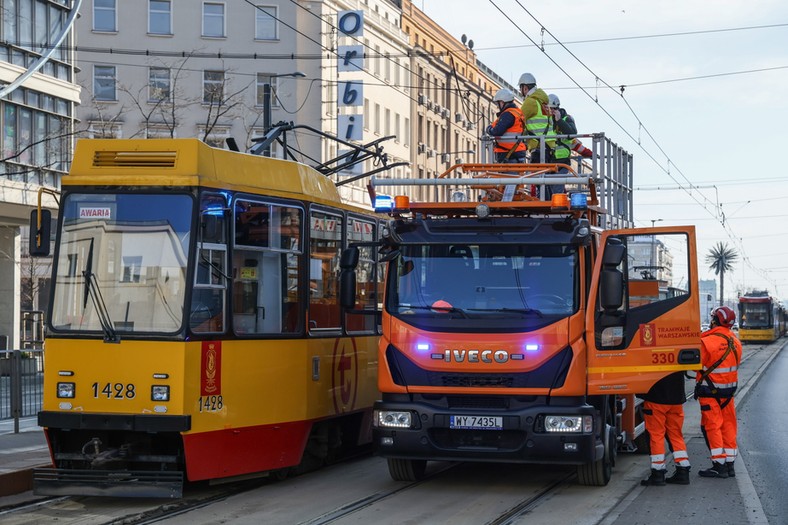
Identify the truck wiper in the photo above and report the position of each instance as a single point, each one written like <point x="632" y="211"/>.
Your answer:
<point x="515" y="310"/>
<point x="442" y="309"/>
<point x="93" y="291"/>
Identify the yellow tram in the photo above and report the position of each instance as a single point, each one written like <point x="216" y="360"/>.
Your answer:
<point x="761" y="318"/>
<point x="194" y="329"/>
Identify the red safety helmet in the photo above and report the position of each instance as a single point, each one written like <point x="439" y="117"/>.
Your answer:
<point x="724" y="316"/>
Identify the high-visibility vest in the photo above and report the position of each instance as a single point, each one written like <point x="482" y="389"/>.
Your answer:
<point x="720" y="380"/>
<point x="563" y="147"/>
<point x="540" y="124"/>
<point x="504" y="146"/>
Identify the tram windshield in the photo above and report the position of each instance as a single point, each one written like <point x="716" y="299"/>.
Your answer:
<point x="122" y="262"/>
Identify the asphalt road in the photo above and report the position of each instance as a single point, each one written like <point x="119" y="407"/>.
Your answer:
<point x="763" y="420"/>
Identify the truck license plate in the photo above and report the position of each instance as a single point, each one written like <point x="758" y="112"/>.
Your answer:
<point x="476" y="422"/>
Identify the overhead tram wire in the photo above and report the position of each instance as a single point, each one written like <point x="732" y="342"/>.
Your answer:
<point x="621" y="94"/>
<point x="604" y="110"/>
<point x="367" y="46"/>
<point x="337" y="54"/>
<point x="385" y="56"/>
<point x="638" y="37"/>
<point x="734" y="238"/>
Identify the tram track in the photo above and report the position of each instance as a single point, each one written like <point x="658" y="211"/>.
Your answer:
<point x="526" y="506"/>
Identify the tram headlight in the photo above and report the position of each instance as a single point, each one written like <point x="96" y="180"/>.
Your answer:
<point x="66" y="390"/>
<point x="160" y="393"/>
<point x="393" y="418"/>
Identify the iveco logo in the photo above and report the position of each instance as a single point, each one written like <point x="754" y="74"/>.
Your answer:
<point x="476" y="356"/>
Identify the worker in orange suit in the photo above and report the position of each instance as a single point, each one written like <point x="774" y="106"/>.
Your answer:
<point x="716" y="383"/>
<point x="663" y="414"/>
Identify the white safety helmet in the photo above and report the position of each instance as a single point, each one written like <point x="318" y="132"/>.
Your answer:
<point x="527" y="78"/>
<point x="553" y="101"/>
<point x="504" y="95"/>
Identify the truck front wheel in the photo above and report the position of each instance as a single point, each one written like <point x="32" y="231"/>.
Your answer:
<point x="598" y="473"/>
<point x="407" y="469"/>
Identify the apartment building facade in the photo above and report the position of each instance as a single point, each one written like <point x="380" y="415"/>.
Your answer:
<point x="175" y="68"/>
<point x="38" y="97"/>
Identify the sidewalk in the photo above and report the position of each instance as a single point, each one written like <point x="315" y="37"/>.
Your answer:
<point x="704" y="501"/>
<point x="19" y="454"/>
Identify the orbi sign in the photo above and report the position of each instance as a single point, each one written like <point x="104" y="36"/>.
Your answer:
<point x="350" y="93"/>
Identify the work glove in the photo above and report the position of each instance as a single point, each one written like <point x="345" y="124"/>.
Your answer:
<point x="489" y="130"/>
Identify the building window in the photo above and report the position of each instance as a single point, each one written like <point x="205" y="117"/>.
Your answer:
<point x="160" y="17"/>
<point x="377" y="119"/>
<point x="159" y="84"/>
<point x="213" y="20"/>
<point x="217" y="137"/>
<point x="104" y="83"/>
<point x="104" y="15"/>
<point x="159" y="131"/>
<point x="265" y="23"/>
<point x="104" y="130"/>
<point x="262" y="80"/>
<point x="212" y="87"/>
<point x="132" y="268"/>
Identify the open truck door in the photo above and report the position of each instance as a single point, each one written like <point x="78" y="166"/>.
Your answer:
<point x="643" y="316"/>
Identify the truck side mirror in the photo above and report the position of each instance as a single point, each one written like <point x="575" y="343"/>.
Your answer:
<point x="611" y="280"/>
<point x="40" y="233"/>
<point x="611" y="289"/>
<point x="349" y="258"/>
<point x="348" y="262"/>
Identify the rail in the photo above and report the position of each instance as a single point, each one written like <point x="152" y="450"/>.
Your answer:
<point x="609" y="165"/>
<point x="21" y="384"/>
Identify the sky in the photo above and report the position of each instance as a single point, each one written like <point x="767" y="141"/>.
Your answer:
<point x="704" y="109"/>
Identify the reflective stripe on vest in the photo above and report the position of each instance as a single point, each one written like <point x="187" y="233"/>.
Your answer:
<point x="503" y="146"/>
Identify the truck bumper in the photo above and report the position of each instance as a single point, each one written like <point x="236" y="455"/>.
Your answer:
<point x="520" y="441"/>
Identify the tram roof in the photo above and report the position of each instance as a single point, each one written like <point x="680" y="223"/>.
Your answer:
<point x="191" y="162"/>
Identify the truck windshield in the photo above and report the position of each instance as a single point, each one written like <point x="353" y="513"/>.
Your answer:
<point x="134" y="249"/>
<point x="490" y="281"/>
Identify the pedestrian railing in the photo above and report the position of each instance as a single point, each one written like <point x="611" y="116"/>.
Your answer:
<point x="21" y="384"/>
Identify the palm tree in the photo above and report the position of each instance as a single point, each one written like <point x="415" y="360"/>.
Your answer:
<point x="720" y="259"/>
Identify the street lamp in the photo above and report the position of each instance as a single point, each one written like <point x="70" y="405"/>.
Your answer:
<point x="267" y="104"/>
<point x="447" y="156"/>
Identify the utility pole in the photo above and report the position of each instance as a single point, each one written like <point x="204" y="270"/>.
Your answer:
<point x="267" y="104"/>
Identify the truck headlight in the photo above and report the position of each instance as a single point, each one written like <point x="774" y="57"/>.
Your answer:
<point x="393" y="418"/>
<point x="66" y="390"/>
<point x="568" y="424"/>
<point x="160" y="393"/>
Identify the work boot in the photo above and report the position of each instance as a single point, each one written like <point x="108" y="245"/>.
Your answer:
<point x="656" y="478"/>
<point x="731" y="471"/>
<point x="717" y="470"/>
<point x="680" y="477"/>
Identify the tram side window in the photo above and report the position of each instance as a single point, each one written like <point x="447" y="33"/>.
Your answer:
<point x="368" y="286"/>
<point x="266" y="268"/>
<point x="325" y="244"/>
<point x="207" y="313"/>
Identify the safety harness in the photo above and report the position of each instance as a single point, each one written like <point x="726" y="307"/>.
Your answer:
<point x="704" y="376"/>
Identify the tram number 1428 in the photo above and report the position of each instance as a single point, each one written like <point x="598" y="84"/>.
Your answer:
<point x="114" y="390"/>
<point x="211" y="403"/>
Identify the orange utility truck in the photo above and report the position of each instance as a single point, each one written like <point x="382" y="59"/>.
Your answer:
<point x="511" y="332"/>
